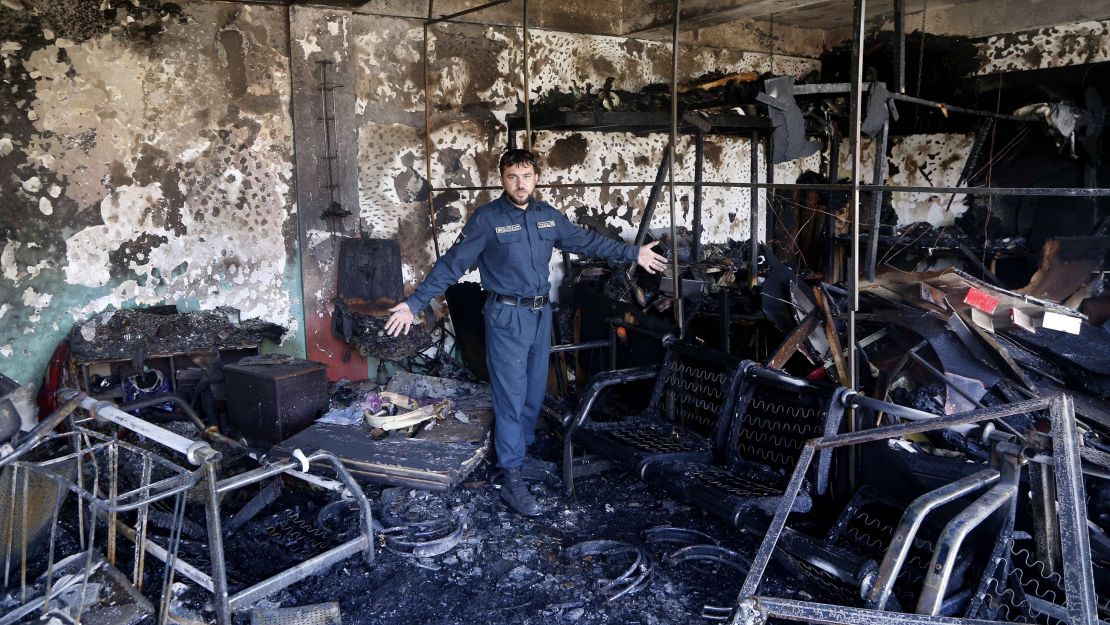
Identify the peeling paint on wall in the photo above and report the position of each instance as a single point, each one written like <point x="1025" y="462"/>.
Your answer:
<point x="476" y="80"/>
<point x="1056" y="46"/>
<point x="920" y="161"/>
<point x="152" y="148"/>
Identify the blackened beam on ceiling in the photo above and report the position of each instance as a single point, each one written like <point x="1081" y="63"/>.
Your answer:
<point x="704" y="13"/>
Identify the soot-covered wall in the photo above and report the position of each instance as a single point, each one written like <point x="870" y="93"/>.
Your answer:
<point x="146" y="158"/>
<point x="476" y="78"/>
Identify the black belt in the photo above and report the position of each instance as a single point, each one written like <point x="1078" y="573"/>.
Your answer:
<point x="535" y="303"/>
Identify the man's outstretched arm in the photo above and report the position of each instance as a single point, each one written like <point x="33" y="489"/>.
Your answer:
<point x="576" y="239"/>
<point x="447" y="271"/>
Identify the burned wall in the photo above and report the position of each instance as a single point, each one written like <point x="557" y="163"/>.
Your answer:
<point x="938" y="159"/>
<point x="934" y="160"/>
<point x="1055" y="46"/>
<point x="476" y="81"/>
<point x="146" y="155"/>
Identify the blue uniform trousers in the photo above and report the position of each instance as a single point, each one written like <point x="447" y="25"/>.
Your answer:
<point x="518" y="342"/>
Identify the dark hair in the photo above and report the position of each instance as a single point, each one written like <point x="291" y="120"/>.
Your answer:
<point x="518" y="157"/>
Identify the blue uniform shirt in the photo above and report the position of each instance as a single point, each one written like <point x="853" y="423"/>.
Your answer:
<point x="513" y="249"/>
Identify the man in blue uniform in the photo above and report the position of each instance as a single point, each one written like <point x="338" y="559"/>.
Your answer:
<point x="511" y="238"/>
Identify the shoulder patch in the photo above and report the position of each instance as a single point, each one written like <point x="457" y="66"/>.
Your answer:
<point x="504" y="229"/>
<point x="546" y="224"/>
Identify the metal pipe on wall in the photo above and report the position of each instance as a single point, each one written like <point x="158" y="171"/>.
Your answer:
<point x="428" y="135"/>
<point x="859" y="11"/>
<point x="527" y="86"/>
<point x="854" y="133"/>
<point x="792" y="186"/>
<point x="753" y="207"/>
<point x="676" y="277"/>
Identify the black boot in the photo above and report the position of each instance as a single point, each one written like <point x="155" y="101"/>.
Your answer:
<point x="535" y="470"/>
<point x="515" y="492"/>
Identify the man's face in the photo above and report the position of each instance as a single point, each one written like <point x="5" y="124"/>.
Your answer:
<point x="519" y="181"/>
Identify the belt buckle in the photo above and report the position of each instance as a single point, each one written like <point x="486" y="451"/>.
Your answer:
<point x="537" y="303"/>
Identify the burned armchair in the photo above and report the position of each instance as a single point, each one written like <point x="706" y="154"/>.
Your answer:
<point x="687" y="417"/>
<point x="773" y="417"/>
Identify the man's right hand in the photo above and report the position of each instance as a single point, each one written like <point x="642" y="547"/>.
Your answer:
<point x="400" y="320"/>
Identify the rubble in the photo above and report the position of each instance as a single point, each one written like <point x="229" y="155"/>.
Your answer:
<point x="130" y="333"/>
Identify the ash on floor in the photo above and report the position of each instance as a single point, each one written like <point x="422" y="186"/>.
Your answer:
<point x="511" y="569"/>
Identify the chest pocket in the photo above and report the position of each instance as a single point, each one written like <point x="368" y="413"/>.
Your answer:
<point x="547" y="230"/>
<point x="509" y="234"/>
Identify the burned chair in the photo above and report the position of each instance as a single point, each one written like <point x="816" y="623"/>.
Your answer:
<point x="993" y="494"/>
<point x="773" y="417"/>
<point x="687" y="417"/>
<point x="121" y="489"/>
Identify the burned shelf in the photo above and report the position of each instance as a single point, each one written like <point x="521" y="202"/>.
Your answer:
<point x="638" y="122"/>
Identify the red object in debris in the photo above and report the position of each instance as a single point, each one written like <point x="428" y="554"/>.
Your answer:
<point x="817" y="374"/>
<point x="981" y="300"/>
<point x="52" y="380"/>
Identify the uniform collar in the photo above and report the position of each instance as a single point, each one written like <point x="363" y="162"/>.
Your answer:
<point x="507" y="203"/>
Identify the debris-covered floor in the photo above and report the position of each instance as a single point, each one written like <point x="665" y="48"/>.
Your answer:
<point x="509" y="569"/>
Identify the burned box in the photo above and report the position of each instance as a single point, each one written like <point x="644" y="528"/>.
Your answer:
<point x="271" y="399"/>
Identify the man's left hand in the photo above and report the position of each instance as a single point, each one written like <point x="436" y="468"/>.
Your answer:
<point x="650" y="260"/>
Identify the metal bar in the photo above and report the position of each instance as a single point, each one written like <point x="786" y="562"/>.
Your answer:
<point x="312" y="566"/>
<point x="10" y="542"/>
<point x="904" y="412"/>
<point x="216" y="544"/>
<point x="451" y="16"/>
<point x="42" y="430"/>
<point x="877" y="200"/>
<point x="835" y="88"/>
<point x="113" y="493"/>
<point x="830" y="217"/>
<point x="927" y="425"/>
<point x="777" y="377"/>
<point x="58" y="500"/>
<point x="950" y="108"/>
<point x="428" y="134"/>
<point x="199" y="577"/>
<point x="904" y="534"/>
<point x="854" y="138"/>
<point x="1075" y="545"/>
<point x="1046" y="522"/>
<point x="597" y="383"/>
<point x="680" y="320"/>
<point x="256" y="475"/>
<point x="768" y="215"/>
<point x="171" y="557"/>
<point x="778" y="522"/>
<point x="574" y="347"/>
<point x="193" y="450"/>
<point x="900" y="45"/>
<point x="140" y="529"/>
<point x="794" y="610"/>
<point x="23" y="543"/>
<point x="891" y="188"/>
<point x="527" y="86"/>
<point x="952" y="538"/>
<point x="699" y="158"/>
<point x="753" y="207"/>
